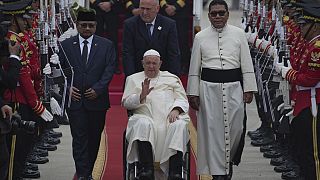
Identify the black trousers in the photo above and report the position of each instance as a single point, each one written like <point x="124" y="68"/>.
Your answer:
<point x="86" y="128"/>
<point x="306" y="132"/>
<point x="4" y="157"/>
<point x="23" y="142"/>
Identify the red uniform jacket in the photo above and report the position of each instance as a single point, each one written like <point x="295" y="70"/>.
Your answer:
<point x="25" y="92"/>
<point x="306" y="75"/>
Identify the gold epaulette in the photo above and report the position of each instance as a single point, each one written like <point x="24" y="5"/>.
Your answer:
<point x="24" y="63"/>
<point x="128" y="4"/>
<point x="14" y="38"/>
<point x="317" y="44"/>
<point x="286" y="18"/>
<point x="181" y="3"/>
<point x="163" y="3"/>
<point x="21" y="35"/>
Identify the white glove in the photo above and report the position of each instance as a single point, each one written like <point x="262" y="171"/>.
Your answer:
<point x="271" y="50"/>
<point x="54" y="59"/>
<point x="290" y="113"/>
<point x="62" y="37"/>
<point x="280" y="106"/>
<point x="243" y="24"/>
<point x="55" y="108"/>
<point x="278" y="66"/>
<point x="252" y="37"/>
<point x="284" y="70"/>
<point x="47" y="69"/>
<point x="264" y="44"/>
<point x="275" y="53"/>
<point x="248" y="34"/>
<point x="74" y="32"/>
<point x="46" y="115"/>
<point x="258" y="42"/>
<point x="68" y="33"/>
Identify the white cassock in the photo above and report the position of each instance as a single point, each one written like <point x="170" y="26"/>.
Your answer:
<point x="149" y="121"/>
<point x="221" y="111"/>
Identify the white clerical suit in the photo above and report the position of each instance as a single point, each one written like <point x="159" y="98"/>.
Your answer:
<point x="149" y="121"/>
<point x="221" y="111"/>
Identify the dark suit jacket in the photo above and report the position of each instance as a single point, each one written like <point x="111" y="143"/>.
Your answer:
<point x="96" y="74"/>
<point x="136" y="42"/>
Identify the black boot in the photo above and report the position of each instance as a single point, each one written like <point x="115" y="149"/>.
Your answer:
<point x="219" y="177"/>
<point x="175" y="166"/>
<point x="146" y="160"/>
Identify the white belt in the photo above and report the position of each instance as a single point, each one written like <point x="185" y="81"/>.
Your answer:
<point x="314" y="109"/>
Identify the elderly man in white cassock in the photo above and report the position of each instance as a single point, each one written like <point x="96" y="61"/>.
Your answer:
<point x="157" y="130"/>
<point x="221" y="80"/>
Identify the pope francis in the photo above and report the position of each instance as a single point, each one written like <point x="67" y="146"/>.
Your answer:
<point x="157" y="130"/>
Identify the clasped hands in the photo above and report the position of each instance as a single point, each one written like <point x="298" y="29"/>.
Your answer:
<point x="89" y="94"/>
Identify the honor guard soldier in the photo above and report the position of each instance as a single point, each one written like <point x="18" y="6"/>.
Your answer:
<point x="305" y="77"/>
<point x="132" y="7"/>
<point x="179" y="11"/>
<point x="24" y="98"/>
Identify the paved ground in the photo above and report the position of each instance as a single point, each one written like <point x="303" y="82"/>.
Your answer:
<point x="253" y="166"/>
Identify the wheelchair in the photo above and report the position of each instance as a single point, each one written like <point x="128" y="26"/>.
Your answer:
<point x="130" y="170"/>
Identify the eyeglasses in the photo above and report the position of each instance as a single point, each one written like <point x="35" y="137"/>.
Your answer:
<point x="85" y="25"/>
<point x="215" y="13"/>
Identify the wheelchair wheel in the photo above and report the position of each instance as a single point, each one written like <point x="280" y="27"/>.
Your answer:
<point x="130" y="171"/>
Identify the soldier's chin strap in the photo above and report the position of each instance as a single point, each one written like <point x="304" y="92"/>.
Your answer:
<point x="16" y="22"/>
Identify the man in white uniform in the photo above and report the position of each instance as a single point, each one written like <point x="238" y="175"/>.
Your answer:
<point x="157" y="130"/>
<point x="221" y="79"/>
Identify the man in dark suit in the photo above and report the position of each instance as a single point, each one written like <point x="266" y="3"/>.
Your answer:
<point x="93" y="59"/>
<point x="108" y="21"/>
<point x="150" y="30"/>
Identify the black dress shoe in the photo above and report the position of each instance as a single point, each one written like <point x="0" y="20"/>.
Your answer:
<point x="51" y="140"/>
<point x="292" y="175"/>
<point x="260" y="130"/>
<point x="277" y="161"/>
<point x="283" y="168"/>
<point x="175" y="177"/>
<point x="40" y="152"/>
<point x="82" y="178"/>
<point x="219" y="177"/>
<point x="53" y="133"/>
<point x="37" y="159"/>
<point x="31" y="166"/>
<point x="268" y="147"/>
<point x="272" y="154"/>
<point x="262" y="142"/>
<point x="46" y="146"/>
<point x="63" y="120"/>
<point x="146" y="174"/>
<point x="27" y="173"/>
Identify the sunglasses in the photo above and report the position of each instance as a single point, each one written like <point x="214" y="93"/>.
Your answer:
<point x="215" y="13"/>
<point x="85" y="25"/>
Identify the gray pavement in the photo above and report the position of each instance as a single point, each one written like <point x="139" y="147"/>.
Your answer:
<point x="253" y="166"/>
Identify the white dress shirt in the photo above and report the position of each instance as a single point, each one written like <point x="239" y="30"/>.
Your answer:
<point x="81" y="39"/>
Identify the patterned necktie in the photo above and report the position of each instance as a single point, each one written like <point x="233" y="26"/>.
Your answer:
<point x="84" y="55"/>
<point x="149" y="25"/>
